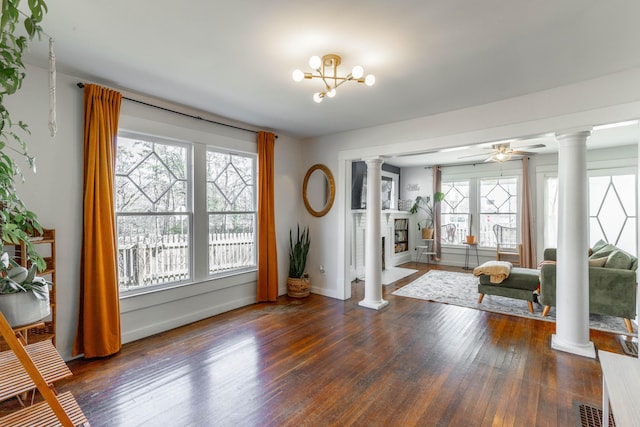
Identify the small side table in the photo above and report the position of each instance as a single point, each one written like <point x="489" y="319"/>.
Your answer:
<point x="620" y="387"/>
<point x="467" y="249"/>
<point x="426" y="249"/>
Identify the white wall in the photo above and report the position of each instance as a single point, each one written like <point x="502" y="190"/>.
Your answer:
<point x="55" y="195"/>
<point x="608" y="99"/>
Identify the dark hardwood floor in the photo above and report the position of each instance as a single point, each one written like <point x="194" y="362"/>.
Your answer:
<point x="322" y="362"/>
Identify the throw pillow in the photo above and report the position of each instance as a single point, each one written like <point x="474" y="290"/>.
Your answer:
<point x="543" y="262"/>
<point x="599" y="245"/>
<point x="598" y="262"/>
<point x="606" y="250"/>
<point x="619" y="259"/>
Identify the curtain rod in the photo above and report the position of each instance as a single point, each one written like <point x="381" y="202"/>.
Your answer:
<point x="473" y="163"/>
<point x="81" y="85"/>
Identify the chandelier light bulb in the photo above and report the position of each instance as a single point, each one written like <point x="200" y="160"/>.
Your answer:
<point x="326" y="69"/>
<point x="315" y="62"/>
<point x="357" y="72"/>
<point x="297" y="75"/>
<point x="370" y="80"/>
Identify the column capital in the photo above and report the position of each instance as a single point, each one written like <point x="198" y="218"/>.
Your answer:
<point x="374" y="161"/>
<point x="575" y="134"/>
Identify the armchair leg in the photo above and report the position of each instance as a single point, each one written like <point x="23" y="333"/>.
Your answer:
<point x="629" y="326"/>
<point x="546" y="310"/>
<point x="480" y="297"/>
<point x="530" y="304"/>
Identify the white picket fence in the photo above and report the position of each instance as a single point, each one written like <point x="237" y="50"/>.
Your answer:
<point x="153" y="260"/>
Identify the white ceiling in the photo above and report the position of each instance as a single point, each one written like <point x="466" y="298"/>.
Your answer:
<point x="234" y="59"/>
<point x="610" y="135"/>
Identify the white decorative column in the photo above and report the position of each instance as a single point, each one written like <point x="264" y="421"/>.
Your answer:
<point x="638" y="232"/>
<point x="572" y="274"/>
<point x="373" y="251"/>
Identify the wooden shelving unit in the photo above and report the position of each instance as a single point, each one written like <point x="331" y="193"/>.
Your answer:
<point x="38" y="365"/>
<point x="45" y="244"/>
<point x="401" y="235"/>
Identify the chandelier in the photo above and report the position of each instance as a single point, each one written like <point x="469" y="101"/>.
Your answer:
<point x="326" y="68"/>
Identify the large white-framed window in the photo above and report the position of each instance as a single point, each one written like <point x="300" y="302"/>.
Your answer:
<point x="499" y="205"/>
<point x="153" y="202"/>
<point x="165" y="236"/>
<point x="455" y="211"/>
<point x="475" y="201"/>
<point x="612" y="207"/>
<point x="232" y="210"/>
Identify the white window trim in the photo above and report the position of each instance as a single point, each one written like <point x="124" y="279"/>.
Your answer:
<point x="594" y="168"/>
<point x="484" y="171"/>
<point x="124" y="293"/>
<point x="202" y="282"/>
<point x="254" y="156"/>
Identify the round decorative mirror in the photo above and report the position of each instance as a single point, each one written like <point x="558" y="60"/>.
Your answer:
<point x="318" y="190"/>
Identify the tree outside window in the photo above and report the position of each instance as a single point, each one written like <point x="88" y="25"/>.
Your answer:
<point x="153" y="214"/>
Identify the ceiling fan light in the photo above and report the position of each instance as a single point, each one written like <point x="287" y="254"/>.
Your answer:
<point x="297" y="75"/>
<point x="370" y="80"/>
<point x="357" y="72"/>
<point x="502" y="156"/>
<point x="315" y="62"/>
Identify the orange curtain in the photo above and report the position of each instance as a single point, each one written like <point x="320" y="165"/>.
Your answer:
<point x="528" y="247"/>
<point x="98" y="331"/>
<point x="267" y="252"/>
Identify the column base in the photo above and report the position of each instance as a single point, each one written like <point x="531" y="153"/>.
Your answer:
<point x="586" y="350"/>
<point x="376" y="305"/>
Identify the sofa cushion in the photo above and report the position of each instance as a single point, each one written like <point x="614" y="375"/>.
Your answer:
<point x="603" y="251"/>
<point x="598" y="262"/>
<point x="599" y="245"/>
<point x="619" y="259"/>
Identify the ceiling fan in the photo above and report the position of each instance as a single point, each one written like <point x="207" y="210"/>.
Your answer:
<point x="503" y="152"/>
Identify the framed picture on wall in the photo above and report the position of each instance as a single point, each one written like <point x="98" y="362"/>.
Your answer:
<point x="389" y="186"/>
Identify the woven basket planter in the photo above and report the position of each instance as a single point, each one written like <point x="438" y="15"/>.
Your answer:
<point x="298" y="287"/>
<point x="427" y="233"/>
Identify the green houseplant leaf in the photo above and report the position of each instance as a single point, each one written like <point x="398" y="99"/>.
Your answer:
<point x="298" y="252"/>
<point x="17" y="223"/>
<point x="424" y="204"/>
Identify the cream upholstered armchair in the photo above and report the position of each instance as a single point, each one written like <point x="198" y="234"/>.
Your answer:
<point x="507" y="246"/>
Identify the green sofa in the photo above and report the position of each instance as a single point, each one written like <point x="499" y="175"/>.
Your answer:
<point x="612" y="282"/>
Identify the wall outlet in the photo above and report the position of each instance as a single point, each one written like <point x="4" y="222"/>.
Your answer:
<point x="321" y="268"/>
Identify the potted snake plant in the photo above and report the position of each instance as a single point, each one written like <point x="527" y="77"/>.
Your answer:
<point x="298" y="283"/>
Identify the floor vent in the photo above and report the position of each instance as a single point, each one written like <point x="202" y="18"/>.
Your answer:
<point x="629" y="346"/>
<point x="590" y="416"/>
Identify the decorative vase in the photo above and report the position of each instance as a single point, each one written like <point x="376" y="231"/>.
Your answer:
<point x="298" y="287"/>
<point x="23" y="308"/>
<point x="471" y="240"/>
<point x="427" y="233"/>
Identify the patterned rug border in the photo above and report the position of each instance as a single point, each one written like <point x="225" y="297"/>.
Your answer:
<point x="461" y="289"/>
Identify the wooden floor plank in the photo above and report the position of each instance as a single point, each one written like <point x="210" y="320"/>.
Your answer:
<point x="320" y="361"/>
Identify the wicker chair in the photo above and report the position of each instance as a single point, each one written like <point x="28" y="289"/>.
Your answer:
<point x="448" y="233"/>
<point x="507" y="248"/>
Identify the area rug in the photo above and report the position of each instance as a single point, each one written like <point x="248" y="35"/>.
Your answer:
<point x="461" y="289"/>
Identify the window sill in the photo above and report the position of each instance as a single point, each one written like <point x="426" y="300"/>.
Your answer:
<point x="167" y="294"/>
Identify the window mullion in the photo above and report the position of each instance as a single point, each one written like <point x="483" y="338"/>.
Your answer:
<point x="201" y="219"/>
